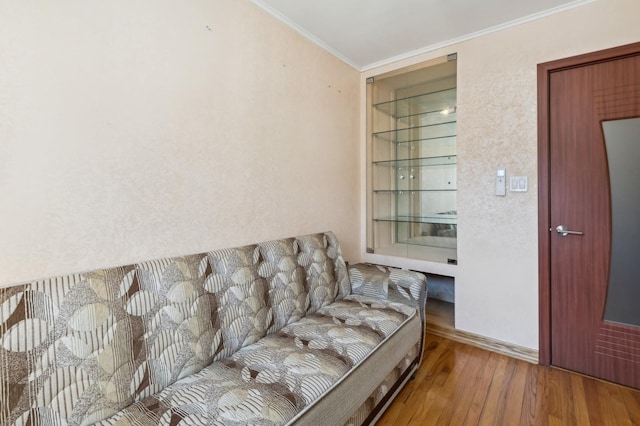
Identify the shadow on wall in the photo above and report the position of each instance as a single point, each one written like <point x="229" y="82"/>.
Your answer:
<point x="441" y="287"/>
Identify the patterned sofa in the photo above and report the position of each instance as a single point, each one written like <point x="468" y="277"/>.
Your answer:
<point x="281" y="332"/>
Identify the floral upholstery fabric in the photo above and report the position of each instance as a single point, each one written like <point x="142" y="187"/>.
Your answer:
<point x="288" y="296"/>
<point x="393" y="284"/>
<point x="319" y="270"/>
<point x="369" y="280"/>
<point x="81" y="348"/>
<point x="173" y="322"/>
<point x="217" y="395"/>
<point x="240" y="296"/>
<point x="371" y="406"/>
<point x="293" y="368"/>
<point x="379" y="315"/>
<point x="340" y="267"/>
<point x="389" y="283"/>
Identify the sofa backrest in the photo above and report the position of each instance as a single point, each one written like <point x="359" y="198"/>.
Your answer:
<point x="241" y="298"/>
<point x="76" y="349"/>
<point x="288" y="293"/>
<point x="325" y="270"/>
<point x="80" y="347"/>
<point x="303" y="274"/>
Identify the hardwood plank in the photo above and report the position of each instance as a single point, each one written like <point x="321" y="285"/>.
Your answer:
<point x="481" y="389"/>
<point x="532" y="402"/>
<point x="444" y="387"/>
<point x="580" y="406"/>
<point x="544" y="402"/>
<point x="434" y="348"/>
<point x="593" y="405"/>
<point x="494" y="402"/>
<point x="514" y="400"/>
<point x="560" y="407"/>
<point x="613" y="411"/>
<point x="460" y="384"/>
<point x="422" y="396"/>
<point x="631" y="400"/>
<point x="464" y="387"/>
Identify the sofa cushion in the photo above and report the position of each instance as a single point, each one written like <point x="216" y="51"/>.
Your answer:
<point x="319" y="270"/>
<point x="48" y="338"/>
<point x="339" y="265"/>
<point x="173" y="322"/>
<point x="350" y="343"/>
<point x="370" y="280"/>
<point x="81" y="347"/>
<point x="283" y="374"/>
<point x="306" y="371"/>
<point x="217" y="395"/>
<point x="241" y="296"/>
<point x="362" y="385"/>
<point x="288" y="296"/>
<point x="310" y="355"/>
<point x="382" y="316"/>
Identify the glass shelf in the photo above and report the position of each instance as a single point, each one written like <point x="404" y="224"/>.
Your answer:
<point x="418" y="133"/>
<point x="382" y="150"/>
<point x="445" y="218"/>
<point x="431" y="241"/>
<point x="434" y="102"/>
<point x="419" y="162"/>
<point x="408" y="191"/>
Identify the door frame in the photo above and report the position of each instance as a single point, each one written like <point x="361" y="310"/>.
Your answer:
<point x="544" y="181"/>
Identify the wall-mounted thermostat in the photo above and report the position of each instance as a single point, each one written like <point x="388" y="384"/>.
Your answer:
<point x="501" y="182"/>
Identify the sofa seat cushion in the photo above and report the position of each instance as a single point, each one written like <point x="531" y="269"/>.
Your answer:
<point x="310" y="355"/>
<point x="281" y="375"/>
<point x="217" y="395"/>
<point x="306" y="371"/>
<point x="383" y="316"/>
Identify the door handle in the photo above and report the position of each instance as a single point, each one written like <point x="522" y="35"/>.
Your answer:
<point x="561" y="229"/>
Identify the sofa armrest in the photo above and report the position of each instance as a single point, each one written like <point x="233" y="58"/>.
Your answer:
<point x="396" y="285"/>
<point x="383" y="282"/>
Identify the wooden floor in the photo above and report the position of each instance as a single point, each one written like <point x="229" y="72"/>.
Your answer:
<point x="460" y="384"/>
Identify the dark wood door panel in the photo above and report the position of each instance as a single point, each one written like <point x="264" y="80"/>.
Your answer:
<point x="580" y="201"/>
<point x="575" y="96"/>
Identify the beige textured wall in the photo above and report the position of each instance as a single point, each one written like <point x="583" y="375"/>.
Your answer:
<point x="131" y="130"/>
<point x="496" y="289"/>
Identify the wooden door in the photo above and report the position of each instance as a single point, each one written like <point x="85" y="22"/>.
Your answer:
<point x="576" y="96"/>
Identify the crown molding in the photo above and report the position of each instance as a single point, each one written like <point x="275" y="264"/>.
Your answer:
<point x="276" y="14"/>
<point x="288" y="22"/>
<point x="476" y="34"/>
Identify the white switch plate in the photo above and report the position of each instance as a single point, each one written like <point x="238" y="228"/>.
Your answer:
<point x="518" y="184"/>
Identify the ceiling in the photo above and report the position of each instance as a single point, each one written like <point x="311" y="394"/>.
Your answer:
<point x="369" y="33"/>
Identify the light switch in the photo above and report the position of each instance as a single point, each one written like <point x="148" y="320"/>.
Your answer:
<point x="513" y="183"/>
<point x="518" y="184"/>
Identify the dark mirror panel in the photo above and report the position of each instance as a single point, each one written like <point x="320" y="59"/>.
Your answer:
<point x="622" y="140"/>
